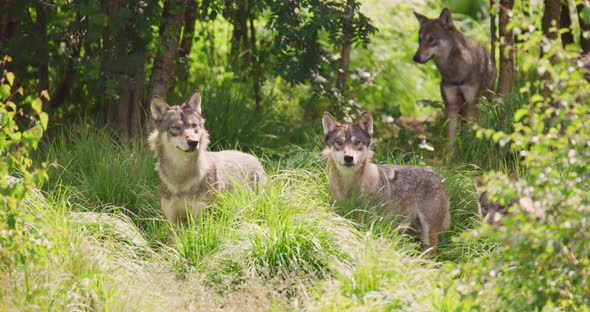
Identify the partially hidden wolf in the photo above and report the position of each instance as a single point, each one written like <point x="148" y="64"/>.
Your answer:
<point x="467" y="70"/>
<point x="492" y="212"/>
<point x="416" y="193"/>
<point x="189" y="174"/>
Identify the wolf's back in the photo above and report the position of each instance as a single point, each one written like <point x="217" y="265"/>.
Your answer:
<point x="415" y="190"/>
<point x="237" y="167"/>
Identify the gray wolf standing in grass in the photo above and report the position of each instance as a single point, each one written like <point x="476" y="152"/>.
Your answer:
<point x="416" y="193"/>
<point x="189" y="174"/>
<point x="467" y="70"/>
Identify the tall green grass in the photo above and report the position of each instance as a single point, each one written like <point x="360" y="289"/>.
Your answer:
<point x="109" y="173"/>
<point x="285" y="243"/>
<point x="498" y="115"/>
<point x="91" y="262"/>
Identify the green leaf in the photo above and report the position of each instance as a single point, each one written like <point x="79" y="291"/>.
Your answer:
<point x="4" y="91"/>
<point x="43" y="118"/>
<point x="36" y="105"/>
<point x="497" y="136"/>
<point x="519" y="114"/>
<point x="479" y="134"/>
<point x="11" y="220"/>
<point x="585" y="15"/>
<point x="10" y="78"/>
<point x="537" y="98"/>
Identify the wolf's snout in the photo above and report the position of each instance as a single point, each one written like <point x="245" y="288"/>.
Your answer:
<point x="417" y="58"/>
<point x="192" y="143"/>
<point x="348" y="159"/>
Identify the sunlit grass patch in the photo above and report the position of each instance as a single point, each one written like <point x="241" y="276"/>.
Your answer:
<point x="286" y="229"/>
<point x="385" y="277"/>
<point x="92" y="261"/>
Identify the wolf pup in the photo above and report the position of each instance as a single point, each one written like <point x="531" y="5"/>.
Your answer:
<point x="415" y="193"/>
<point x="189" y="174"/>
<point x="467" y="70"/>
<point x="491" y="212"/>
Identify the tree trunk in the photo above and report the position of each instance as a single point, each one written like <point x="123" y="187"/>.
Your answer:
<point x="132" y="51"/>
<point x="584" y="27"/>
<point x="347" y="32"/>
<point x="137" y="96"/>
<point x="124" y="107"/>
<point x="62" y="91"/>
<point x="565" y="22"/>
<point x="136" y="78"/>
<point x="170" y="25"/>
<point x="493" y="30"/>
<point x="238" y="56"/>
<point x="507" y="61"/>
<point x="551" y="18"/>
<point x="42" y="52"/>
<point x="255" y="65"/>
<point x="74" y="42"/>
<point x="188" y="34"/>
<point x="108" y="111"/>
<point x="8" y="23"/>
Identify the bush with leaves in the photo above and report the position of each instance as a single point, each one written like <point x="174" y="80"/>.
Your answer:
<point x="543" y="255"/>
<point x="21" y="128"/>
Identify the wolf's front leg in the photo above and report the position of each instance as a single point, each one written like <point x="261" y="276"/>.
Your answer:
<point x="453" y="101"/>
<point x="172" y="216"/>
<point x="470" y="94"/>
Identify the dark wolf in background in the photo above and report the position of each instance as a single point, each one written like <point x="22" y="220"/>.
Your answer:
<point x="490" y="211"/>
<point x="467" y="70"/>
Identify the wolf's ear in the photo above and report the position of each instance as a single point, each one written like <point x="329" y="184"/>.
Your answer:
<point x="158" y="107"/>
<point x="329" y="123"/>
<point x="421" y="18"/>
<point x="194" y="101"/>
<point x="478" y="181"/>
<point x="513" y="176"/>
<point x="446" y="18"/>
<point x="365" y="121"/>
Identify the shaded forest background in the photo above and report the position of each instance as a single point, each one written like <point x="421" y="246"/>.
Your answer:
<point x="104" y="60"/>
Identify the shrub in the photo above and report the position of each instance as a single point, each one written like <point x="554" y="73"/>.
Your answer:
<point x="21" y="131"/>
<point x="543" y="257"/>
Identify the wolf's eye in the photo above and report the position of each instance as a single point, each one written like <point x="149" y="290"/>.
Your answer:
<point x="356" y="142"/>
<point x="193" y="125"/>
<point x="431" y="40"/>
<point x="339" y="142"/>
<point x="176" y="128"/>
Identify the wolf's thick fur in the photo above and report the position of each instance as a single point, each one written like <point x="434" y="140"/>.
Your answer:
<point x="467" y="70"/>
<point x="413" y="192"/>
<point x="189" y="174"/>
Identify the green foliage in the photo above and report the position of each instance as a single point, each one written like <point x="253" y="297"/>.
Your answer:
<point x="543" y="256"/>
<point x="299" y="25"/>
<point x="97" y="162"/>
<point x="20" y="245"/>
<point x="484" y="151"/>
